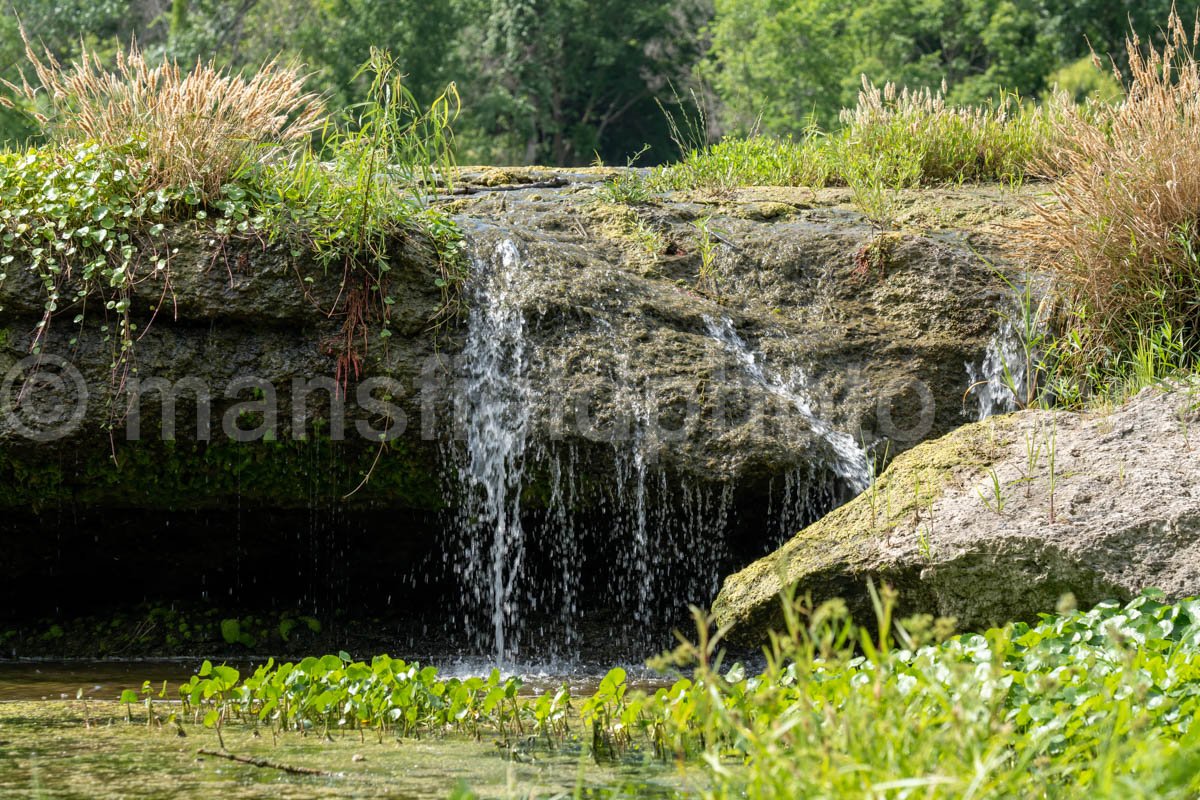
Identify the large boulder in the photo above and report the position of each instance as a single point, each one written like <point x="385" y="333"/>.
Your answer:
<point x="1002" y="518"/>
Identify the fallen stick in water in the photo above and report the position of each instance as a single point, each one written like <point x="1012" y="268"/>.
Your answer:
<point x="262" y="762"/>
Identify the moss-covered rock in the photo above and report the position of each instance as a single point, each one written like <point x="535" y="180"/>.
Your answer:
<point x="835" y="556"/>
<point x="1000" y="519"/>
<point x="783" y="356"/>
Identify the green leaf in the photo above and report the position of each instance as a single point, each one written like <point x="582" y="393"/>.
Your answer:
<point x="231" y="631"/>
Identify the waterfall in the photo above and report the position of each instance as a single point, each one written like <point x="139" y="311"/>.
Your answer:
<point x="803" y="498"/>
<point x="647" y="542"/>
<point x="849" y="460"/>
<point x="1000" y="373"/>
<point x="492" y="409"/>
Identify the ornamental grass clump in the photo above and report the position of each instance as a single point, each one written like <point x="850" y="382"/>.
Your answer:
<point x="924" y="140"/>
<point x="894" y="138"/>
<point x="197" y="126"/>
<point x="1124" y="229"/>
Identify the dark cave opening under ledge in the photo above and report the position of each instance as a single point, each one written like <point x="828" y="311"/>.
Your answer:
<point x="390" y="572"/>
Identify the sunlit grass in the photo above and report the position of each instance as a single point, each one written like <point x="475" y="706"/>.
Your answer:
<point x="1122" y="232"/>
<point x="893" y="139"/>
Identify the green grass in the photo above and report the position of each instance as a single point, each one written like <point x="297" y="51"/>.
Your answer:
<point x="755" y="161"/>
<point x="1086" y="704"/>
<point x="891" y="140"/>
<point x="1099" y="703"/>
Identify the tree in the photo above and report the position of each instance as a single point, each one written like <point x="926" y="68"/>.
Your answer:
<point x="334" y="38"/>
<point x="780" y="63"/>
<point x="563" y="80"/>
<point x="792" y="62"/>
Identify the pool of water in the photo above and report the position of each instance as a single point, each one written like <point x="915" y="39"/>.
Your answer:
<point x="61" y="680"/>
<point x="52" y="744"/>
<point x="74" y="749"/>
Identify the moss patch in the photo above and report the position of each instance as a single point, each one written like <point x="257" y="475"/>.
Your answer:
<point x="838" y="544"/>
<point x="764" y="211"/>
<point x="640" y="241"/>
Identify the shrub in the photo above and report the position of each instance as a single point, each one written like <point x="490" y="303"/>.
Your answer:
<point x="1124" y="231"/>
<point x="197" y="126"/>
<point x="894" y="138"/>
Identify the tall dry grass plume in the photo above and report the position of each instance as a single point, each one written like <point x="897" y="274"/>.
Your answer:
<point x="1005" y="140"/>
<point x="198" y="126"/>
<point x="1124" y="228"/>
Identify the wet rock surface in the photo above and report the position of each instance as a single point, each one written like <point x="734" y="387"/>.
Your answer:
<point x="868" y="330"/>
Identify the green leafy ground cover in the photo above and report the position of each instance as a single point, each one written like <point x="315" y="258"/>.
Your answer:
<point x="1098" y="703"/>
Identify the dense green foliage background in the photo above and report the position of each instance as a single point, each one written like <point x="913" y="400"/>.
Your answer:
<point x="560" y="81"/>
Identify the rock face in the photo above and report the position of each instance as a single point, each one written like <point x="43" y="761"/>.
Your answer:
<point x="811" y="334"/>
<point x="694" y="374"/>
<point x="999" y="519"/>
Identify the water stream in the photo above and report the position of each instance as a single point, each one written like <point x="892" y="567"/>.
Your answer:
<point x="658" y="537"/>
<point x="493" y="409"/>
<point x="849" y="460"/>
<point x="1000" y="378"/>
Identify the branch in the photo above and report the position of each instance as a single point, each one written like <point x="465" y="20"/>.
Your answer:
<point x="262" y="762"/>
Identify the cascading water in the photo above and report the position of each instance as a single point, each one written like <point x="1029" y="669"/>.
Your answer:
<point x="492" y="410"/>
<point x="653" y="541"/>
<point x="1000" y="378"/>
<point x="849" y="460"/>
<point x="796" y="501"/>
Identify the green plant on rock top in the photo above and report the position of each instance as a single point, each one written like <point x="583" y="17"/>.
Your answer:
<point x="754" y="161"/>
<point x="196" y="126"/>
<point x="132" y="150"/>
<point x="370" y="187"/>
<point x="88" y="212"/>
<point x="79" y="217"/>
<point x="912" y="137"/>
<point x="893" y="139"/>
<point x="995" y="502"/>
<point x="706" y="277"/>
<point x="1122" y="230"/>
<point x="626" y="188"/>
